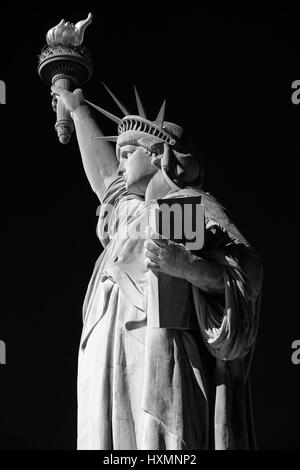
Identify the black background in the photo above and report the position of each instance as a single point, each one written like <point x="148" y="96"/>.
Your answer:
<point x="227" y="79"/>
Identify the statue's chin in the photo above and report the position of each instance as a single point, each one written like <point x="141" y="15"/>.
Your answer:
<point x="156" y="188"/>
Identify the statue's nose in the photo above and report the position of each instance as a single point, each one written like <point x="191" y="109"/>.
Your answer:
<point x="121" y="168"/>
<point x="121" y="171"/>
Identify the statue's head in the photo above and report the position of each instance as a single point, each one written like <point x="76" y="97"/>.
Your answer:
<point x="145" y="148"/>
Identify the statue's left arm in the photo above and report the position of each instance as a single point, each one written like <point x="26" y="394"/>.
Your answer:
<point x="226" y="279"/>
<point x="175" y="260"/>
<point x="229" y="322"/>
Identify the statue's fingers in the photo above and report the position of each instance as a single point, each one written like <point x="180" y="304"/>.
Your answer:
<point x="78" y="91"/>
<point x="151" y="246"/>
<point x="152" y="256"/>
<point x="79" y="94"/>
<point x="150" y="265"/>
<point x="158" y="239"/>
<point x="55" y="89"/>
<point x="58" y="90"/>
<point x="161" y="241"/>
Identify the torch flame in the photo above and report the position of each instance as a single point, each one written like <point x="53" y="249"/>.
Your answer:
<point x="67" y="33"/>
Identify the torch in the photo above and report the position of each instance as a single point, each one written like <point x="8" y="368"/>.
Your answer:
<point x="64" y="61"/>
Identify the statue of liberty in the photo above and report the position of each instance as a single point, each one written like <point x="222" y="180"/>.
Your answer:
<point x="184" y="386"/>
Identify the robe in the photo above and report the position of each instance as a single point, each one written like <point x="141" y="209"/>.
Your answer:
<point x="184" y="388"/>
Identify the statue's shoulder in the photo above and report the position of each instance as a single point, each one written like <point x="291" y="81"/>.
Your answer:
<point x="214" y="212"/>
<point x="213" y="208"/>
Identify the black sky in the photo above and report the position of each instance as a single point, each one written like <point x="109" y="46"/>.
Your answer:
<point x="227" y="79"/>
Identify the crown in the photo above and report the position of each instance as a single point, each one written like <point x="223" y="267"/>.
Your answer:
<point x="138" y="123"/>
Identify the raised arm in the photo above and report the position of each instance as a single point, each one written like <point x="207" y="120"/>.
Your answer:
<point x="98" y="157"/>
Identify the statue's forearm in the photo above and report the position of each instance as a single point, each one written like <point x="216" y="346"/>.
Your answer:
<point x="175" y="260"/>
<point x="98" y="157"/>
<point x="205" y="274"/>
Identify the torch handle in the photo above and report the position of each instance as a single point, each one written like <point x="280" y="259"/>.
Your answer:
<point x="64" y="125"/>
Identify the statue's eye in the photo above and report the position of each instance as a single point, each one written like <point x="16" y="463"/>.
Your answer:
<point x="127" y="151"/>
<point x="127" y="154"/>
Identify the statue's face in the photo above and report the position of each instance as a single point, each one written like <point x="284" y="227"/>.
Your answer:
<point x="136" y="168"/>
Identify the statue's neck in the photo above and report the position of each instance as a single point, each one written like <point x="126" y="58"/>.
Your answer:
<point x="157" y="187"/>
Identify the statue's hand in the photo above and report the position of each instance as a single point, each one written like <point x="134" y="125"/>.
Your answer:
<point x="166" y="256"/>
<point x="70" y="100"/>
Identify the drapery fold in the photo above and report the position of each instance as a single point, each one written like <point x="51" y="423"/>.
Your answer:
<point x="193" y="387"/>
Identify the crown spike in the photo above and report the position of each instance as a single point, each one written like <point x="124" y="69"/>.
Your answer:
<point x="106" y="113"/>
<point x="161" y="115"/>
<point x="139" y="104"/>
<point x="117" y="101"/>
